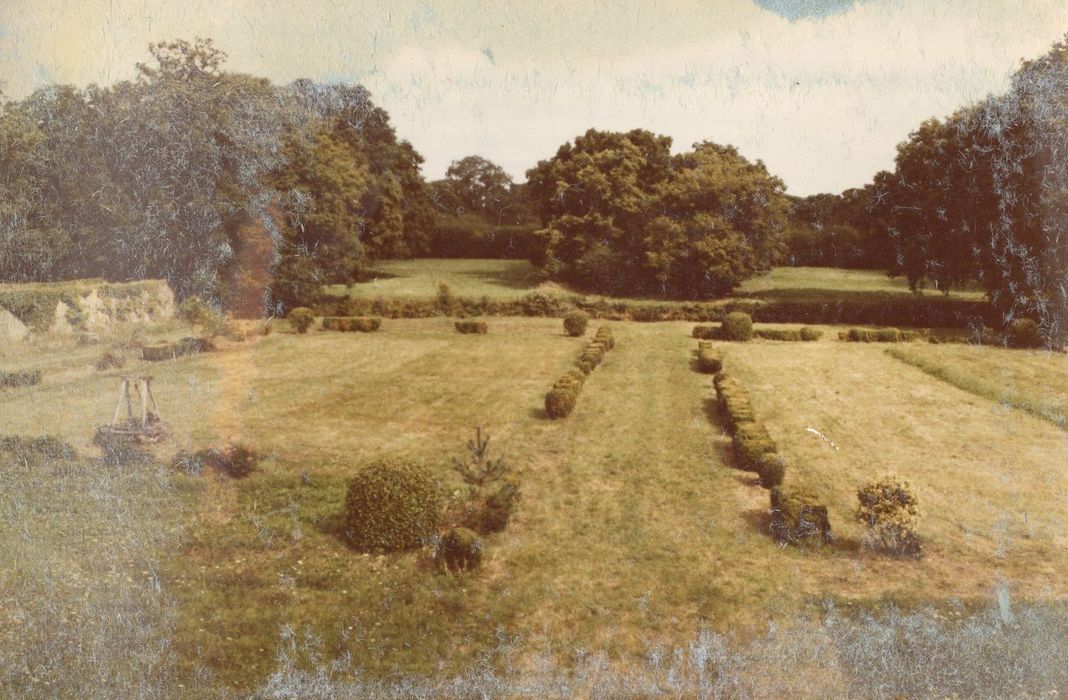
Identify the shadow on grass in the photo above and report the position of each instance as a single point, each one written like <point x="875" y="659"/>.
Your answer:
<point x="511" y="277"/>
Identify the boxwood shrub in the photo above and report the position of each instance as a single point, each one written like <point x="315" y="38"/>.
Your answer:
<point x="705" y="332"/>
<point x="575" y="323"/>
<point x="476" y="327"/>
<point x="560" y="401"/>
<point x="390" y="506"/>
<point x="737" y="326"/>
<point x="798" y="517"/>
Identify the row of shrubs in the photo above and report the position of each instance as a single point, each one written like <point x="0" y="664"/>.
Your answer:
<point x="19" y="379"/>
<point x="561" y="399"/>
<point x="350" y="324"/>
<point x="906" y="311"/>
<point x="738" y="327"/>
<point x="157" y="352"/>
<point x="879" y="335"/>
<point x="796" y="515"/>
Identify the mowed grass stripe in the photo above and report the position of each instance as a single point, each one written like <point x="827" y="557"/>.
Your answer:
<point x="1053" y="411"/>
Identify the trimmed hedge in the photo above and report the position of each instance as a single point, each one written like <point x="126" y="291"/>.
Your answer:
<point x="879" y="335"/>
<point x="560" y="401"/>
<point x="798" y="517"/>
<point x="301" y="318"/>
<point x="19" y="379"/>
<point x="751" y="443"/>
<point x="476" y="327"/>
<point x="806" y="334"/>
<point x="929" y="312"/>
<point x="709" y="359"/>
<point x="351" y="324"/>
<point x="771" y="469"/>
<point x="391" y="506"/>
<point x="706" y="332"/>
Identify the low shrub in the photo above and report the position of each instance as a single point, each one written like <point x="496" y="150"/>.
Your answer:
<point x="1023" y="333"/>
<point x="709" y="360"/>
<point x="798" y="517"/>
<point x="889" y="510"/>
<point x="35" y="451"/>
<point x="772" y="470"/>
<point x="20" y="379"/>
<point x="459" y="549"/>
<point x="604" y="335"/>
<point x="110" y="360"/>
<point x="783" y="334"/>
<point x="575" y="323"/>
<point x="880" y="335"/>
<point x="477" y="327"/>
<point x="391" y="506"/>
<point x="705" y="332"/>
<point x="350" y="324"/>
<point x="810" y="334"/>
<point x="737" y="327"/>
<point x="560" y="402"/>
<point x="751" y="443"/>
<point x="888" y="335"/>
<point x="301" y="318"/>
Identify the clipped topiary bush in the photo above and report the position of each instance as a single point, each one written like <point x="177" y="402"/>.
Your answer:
<point x="705" y="332"/>
<point x="772" y="469"/>
<point x="888" y="335"/>
<point x="810" y="334"/>
<point x="890" y="511"/>
<point x="737" y="327"/>
<point x="709" y="360"/>
<point x="560" y="402"/>
<point x="391" y="506"/>
<point x="476" y="327"/>
<point x="797" y="517"/>
<point x="1023" y="333"/>
<point x="604" y="335"/>
<point x="459" y="549"/>
<point x="350" y="324"/>
<point x="575" y="323"/>
<point x="20" y="379"/>
<point x="777" y="334"/>
<point x="301" y="318"/>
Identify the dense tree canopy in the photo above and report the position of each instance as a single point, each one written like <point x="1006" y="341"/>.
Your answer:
<point x="622" y="215"/>
<point x="164" y="176"/>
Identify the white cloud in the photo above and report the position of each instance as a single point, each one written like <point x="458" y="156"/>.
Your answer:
<point x="822" y="101"/>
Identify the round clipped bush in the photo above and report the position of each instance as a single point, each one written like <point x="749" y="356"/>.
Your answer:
<point x="575" y="323"/>
<point x="1022" y="333"/>
<point x="890" y="511"/>
<point x="772" y="469"/>
<point x="798" y="517"/>
<point x="301" y="317"/>
<point x="560" y="402"/>
<point x="737" y="326"/>
<point x="604" y="335"/>
<point x="809" y="334"/>
<point x="391" y="506"/>
<point x="459" y="549"/>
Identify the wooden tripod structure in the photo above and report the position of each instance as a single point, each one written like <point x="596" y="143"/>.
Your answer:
<point x="147" y="423"/>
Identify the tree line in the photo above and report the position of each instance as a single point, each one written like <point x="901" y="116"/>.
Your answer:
<point x="254" y="195"/>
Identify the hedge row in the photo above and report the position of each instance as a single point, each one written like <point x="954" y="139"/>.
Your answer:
<point x="796" y="516"/>
<point x="561" y="399"/>
<point x="35" y="304"/>
<point x="879" y="335"/>
<point x="709" y="359"/>
<point x="171" y="351"/>
<point x="738" y="331"/>
<point x="476" y="327"/>
<point x="17" y="379"/>
<point x="351" y="324"/>
<point x="908" y="311"/>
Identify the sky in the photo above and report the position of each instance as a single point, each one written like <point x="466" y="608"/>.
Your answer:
<point x="820" y="90"/>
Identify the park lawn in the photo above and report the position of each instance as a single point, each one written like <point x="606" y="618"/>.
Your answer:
<point x="798" y="283"/>
<point x="633" y="530"/>
<point x="419" y="278"/>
